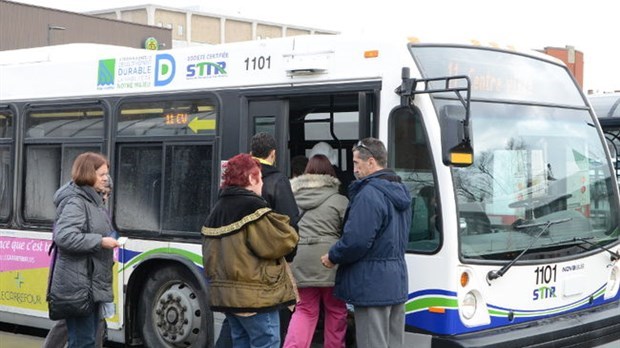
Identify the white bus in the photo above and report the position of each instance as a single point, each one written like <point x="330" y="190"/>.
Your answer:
<point x="515" y="233"/>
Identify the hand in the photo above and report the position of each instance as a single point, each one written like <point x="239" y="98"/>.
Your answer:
<point x="326" y="262"/>
<point x="109" y="243"/>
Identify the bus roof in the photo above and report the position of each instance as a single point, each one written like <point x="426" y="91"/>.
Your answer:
<point x="82" y="70"/>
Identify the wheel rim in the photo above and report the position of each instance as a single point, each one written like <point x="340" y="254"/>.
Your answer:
<point x="177" y="316"/>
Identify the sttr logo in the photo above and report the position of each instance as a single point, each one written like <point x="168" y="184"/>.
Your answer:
<point x="544" y="292"/>
<point x="206" y="69"/>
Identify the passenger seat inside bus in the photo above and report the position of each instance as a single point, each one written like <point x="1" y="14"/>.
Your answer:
<point x="425" y="228"/>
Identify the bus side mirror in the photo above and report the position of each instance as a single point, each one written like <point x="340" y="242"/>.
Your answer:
<point x="455" y="138"/>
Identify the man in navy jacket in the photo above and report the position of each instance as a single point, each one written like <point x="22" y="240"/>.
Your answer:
<point x="372" y="274"/>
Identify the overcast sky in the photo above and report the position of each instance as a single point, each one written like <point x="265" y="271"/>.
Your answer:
<point x="591" y="27"/>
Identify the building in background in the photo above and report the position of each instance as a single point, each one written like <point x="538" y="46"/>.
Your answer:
<point x="191" y="27"/>
<point x="146" y="26"/>
<point x="25" y="26"/>
<point x="571" y="57"/>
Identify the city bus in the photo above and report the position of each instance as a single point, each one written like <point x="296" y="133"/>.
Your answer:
<point x="607" y="108"/>
<point x="515" y="225"/>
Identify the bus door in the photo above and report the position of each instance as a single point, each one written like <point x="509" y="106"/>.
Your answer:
<point x="304" y="123"/>
<point x="271" y="116"/>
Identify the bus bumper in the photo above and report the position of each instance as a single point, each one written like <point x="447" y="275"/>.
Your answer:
<point x="587" y="328"/>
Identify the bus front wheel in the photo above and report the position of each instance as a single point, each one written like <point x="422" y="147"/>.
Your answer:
<point x="172" y="311"/>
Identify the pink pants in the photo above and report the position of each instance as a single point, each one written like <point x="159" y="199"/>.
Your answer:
<point x="304" y="319"/>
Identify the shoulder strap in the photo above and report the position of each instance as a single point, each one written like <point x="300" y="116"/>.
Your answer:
<point x="300" y="215"/>
<point x="87" y="221"/>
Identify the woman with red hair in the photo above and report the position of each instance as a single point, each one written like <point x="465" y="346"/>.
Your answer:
<point x="244" y="244"/>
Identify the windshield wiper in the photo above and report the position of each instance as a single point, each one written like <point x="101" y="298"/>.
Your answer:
<point x="614" y="255"/>
<point x="492" y="275"/>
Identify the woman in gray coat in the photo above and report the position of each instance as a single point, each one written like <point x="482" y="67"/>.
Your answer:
<point x="83" y="237"/>
<point x="322" y="211"/>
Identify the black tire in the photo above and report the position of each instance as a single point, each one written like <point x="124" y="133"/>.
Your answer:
<point x="173" y="312"/>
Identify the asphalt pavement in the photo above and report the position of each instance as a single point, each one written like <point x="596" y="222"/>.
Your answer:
<point x="12" y="336"/>
<point x="12" y="340"/>
<point x="35" y="338"/>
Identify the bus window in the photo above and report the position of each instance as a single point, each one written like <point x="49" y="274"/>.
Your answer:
<point x="65" y="129"/>
<point x="265" y="124"/>
<point x="138" y="185"/>
<point x="187" y="186"/>
<point x="161" y="118"/>
<point x="314" y="117"/>
<point x="520" y="178"/>
<point x="5" y="178"/>
<point x="183" y="199"/>
<point x="346" y="125"/>
<point x="56" y="162"/>
<point x="409" y="155"/>
<point x="163" y="185"/>
<point x="6" y="124"/>
<point x="70" y="122"/>
<point x="6" y="174"/>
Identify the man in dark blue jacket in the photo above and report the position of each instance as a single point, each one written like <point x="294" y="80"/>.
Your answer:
<point x="372" y="274"/>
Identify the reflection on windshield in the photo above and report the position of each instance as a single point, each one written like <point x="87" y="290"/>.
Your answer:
<point x="533" y="164"/>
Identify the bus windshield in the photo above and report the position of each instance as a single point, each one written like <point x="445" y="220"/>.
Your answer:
<point x="533" y="164"/>
<point x="536" y="160"/>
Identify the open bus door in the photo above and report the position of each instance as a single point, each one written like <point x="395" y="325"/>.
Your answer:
<point x="301" y="121"/>
<point x="271" y="116"/>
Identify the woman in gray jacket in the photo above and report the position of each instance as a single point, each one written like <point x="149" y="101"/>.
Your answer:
<point x="322" y="211"/>
<point x="82" y="235"/>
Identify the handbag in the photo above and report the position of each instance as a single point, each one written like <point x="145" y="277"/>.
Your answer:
<point x="74" y="306"/>
<point x="77" y="304"/>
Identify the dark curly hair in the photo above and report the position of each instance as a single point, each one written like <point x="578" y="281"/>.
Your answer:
<point x="262" y="144"/>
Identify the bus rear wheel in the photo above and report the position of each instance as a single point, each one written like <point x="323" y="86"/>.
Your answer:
<point x="172" y="311"/>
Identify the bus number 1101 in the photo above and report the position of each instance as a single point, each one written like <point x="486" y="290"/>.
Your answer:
<point x="258" y="63"/>
<point x="546" y="274"/>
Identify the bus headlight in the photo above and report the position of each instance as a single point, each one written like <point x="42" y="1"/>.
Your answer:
<point x="468" y="306"/>
<point x="472" y="307"/>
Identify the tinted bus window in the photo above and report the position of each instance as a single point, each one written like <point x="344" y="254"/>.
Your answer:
<point x="174" y="197"/>
<point x="159" y="118"/>
<point x="5" y="178"/>
<point x="164" y="184"/>
<point x="65" y="123"/>
<point x="65" y="129"/>
<point x="411" y="158"/>
<point x="6" y="173"/>
<point x="6" y="124"/>
<point x="56" y="162"/>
